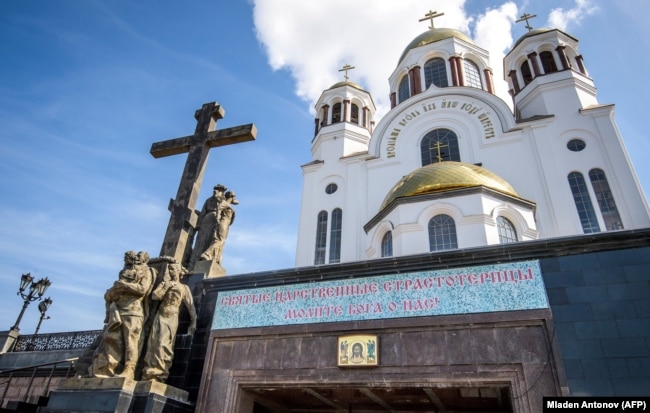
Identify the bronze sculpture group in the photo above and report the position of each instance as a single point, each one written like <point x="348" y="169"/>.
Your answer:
<point x="142" y="308"/>
<point x="137" y="299"/>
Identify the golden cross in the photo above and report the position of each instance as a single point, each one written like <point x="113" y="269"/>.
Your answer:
<point x="437" y="146"/>
<point x="526" y="17"/>
<point x="345" y="69"/>
<point x="430" y="16"/>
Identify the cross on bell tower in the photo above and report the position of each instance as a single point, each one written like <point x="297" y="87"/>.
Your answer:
<point x="345" y="69"/>
<point x="430" y="16"/>
<point x="526" y="17"/>
<point x="197" y="146"/>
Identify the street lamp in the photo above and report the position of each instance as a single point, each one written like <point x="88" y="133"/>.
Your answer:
<point x="35" y="291"/>
<point x="42" y="307"/>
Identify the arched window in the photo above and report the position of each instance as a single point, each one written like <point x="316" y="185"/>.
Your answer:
<point x="548" y="62"/>
<point x="507" y="231"/>
<point x="605" y="200"/>
<point x="387" y="245"/>
<point x="442" y="233"/>
<point x="472" y="75"/>
<point x="583" y="203"/>
<point x="525" y="73"/>
<point x="435" y="72"/>
<point x="354" y="113"/>
<point x="439" y="145"/>
<point x="336" y="113"/>
<point x="321" y="238"/>
<point x="403" y="90"/>
<point x="335" y="236"/>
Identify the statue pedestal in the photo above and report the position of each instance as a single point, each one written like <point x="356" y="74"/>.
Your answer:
<point x="8" y="340"/>
<point x="211" y="269"/>
<point x="117" y="395"/>
<point x="151" y="396"/>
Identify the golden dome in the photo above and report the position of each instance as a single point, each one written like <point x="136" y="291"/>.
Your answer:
<point x="444" y="176"/>
<point x="532" y="33"/>
<point x="346" y="83"/>
<point x="434" y="35"/>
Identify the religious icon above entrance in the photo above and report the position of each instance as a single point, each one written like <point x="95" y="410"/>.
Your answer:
<point x="357" y="350"/>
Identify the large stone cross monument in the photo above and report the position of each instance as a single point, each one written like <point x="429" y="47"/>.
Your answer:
<point x="183" y="216"/>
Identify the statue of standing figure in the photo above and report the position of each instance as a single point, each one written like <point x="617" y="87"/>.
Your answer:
<point x="160" y="344"/>
<point x="214" y="221"/>
<point x="129" y="304"/>
<point x="126" y="310"/>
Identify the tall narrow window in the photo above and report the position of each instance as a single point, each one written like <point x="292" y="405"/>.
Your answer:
<point x="435" y="72"/>
<point x="335" y="236"/>
<point x="354" y="114"/>
<point x="439" y="145"/>
<point x="525" y="73"/>
<point x="583" y="203"/>
<point x="548" y="62"/>
<point x="472" y="75"/>
<point x="507" y="231"/>
<point x="442" y="233"/>
<point x="403" y="90"/>
<point x="336" y="113"/>
<point x="321" y="238"/>
<point x="387" y="245"/>
<point x="605" y="200"/>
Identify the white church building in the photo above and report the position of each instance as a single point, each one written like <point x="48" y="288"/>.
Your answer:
<point x="450" y="166"/>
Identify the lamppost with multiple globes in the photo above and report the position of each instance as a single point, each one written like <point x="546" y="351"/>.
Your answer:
<point x="30" y="290"/>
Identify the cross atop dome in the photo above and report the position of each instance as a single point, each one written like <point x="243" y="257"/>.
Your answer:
<point x="526" y="17"/>
<point x="345" y="69"/>
<point x="430" y="16"/>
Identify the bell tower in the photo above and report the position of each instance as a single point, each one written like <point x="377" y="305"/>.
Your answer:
<point x="546" y="74"/>
<point x="344" y="120"/>
<point x="343" y="127"/>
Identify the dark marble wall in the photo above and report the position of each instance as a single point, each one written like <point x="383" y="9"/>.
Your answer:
<point x="601" y="307"/>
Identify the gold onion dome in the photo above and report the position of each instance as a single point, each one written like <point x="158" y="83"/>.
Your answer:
<point x="346" y="83"/>
<point x="445" y="176"/>
<point x="531" y="33"/>
<point x="434" y="35"/>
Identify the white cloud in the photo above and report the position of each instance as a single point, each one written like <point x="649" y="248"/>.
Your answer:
<point x="313" y="40"/>
<point x="494" y="33"/>
<point x="561" y="18"/>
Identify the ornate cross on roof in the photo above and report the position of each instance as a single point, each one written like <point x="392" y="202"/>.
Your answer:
<point x="183" y="216"/>
<point x="430" y="16"/>
<point x="346" y="68"/>
<point x="526" y="17"/>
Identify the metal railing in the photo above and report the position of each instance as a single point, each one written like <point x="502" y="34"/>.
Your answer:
<point x="6" y="376"/>
<point x="56" y="341"/>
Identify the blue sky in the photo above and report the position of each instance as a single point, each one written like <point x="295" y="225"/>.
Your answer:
<point x="87" y="86"/>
